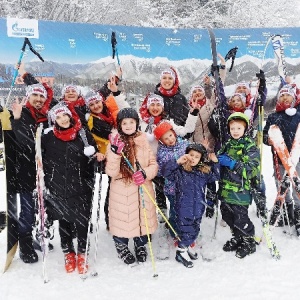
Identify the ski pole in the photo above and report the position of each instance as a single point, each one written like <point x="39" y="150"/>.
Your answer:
<point x="151" y="198"/>
<point x="148" y="234"/>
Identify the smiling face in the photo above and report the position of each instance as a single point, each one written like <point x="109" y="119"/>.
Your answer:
<point x="155" y="109"/>
<point x="37" y="100"/>
<point x="167" y="81"/>
<point x="96" y="106"/>
<point x="195" y="157"/>
<point x="169" y="138"/>
<point x="128" y="126"/>
<point x="237" y="128"/>
<point x="63" y="120"/>
<point x="71" y="95"/>
<point x="236" y="102"/>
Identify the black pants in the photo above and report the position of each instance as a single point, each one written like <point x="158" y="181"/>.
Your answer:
<point x="236" y="216"/>
<point x="138" y="241"/>
<point x="107" y="202"/>
<point x="161" y="200"/>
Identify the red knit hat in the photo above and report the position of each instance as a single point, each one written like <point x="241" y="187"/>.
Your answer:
<point x="161" y="129"/>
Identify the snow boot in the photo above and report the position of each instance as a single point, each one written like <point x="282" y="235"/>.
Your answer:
<point x="246" y="247"/>
<point x="124" y="253"/>
<point x="82" y="265"/>
<point x="232" y="244"/>
<point x="275" y="215"/>
<point x="70" y="262"/>
<point x="140" y="253"/>
<point x="26" y="251"/>
<point x="191" y="250"/>
<point x="183" y="257"/>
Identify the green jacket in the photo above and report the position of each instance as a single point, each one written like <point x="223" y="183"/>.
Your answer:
<point x="235" y="184"/>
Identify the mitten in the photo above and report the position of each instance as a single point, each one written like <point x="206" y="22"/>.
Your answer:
<point x="226" y="161"/>
<point x="116" y="145"/>
<point x="139" y="177"/>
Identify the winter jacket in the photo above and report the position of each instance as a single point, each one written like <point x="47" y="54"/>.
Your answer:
<point x="201" y="130"/>
<point x="68" y="174"/>
<point x="24" y="130"/>
<point x="287" y="124"/>
<point x="175" y="107"/>
<point x="190" y="199"/>
<point x="235" y="184"/>
<point x="166" y="154"/>
<point x="126" y="215"/>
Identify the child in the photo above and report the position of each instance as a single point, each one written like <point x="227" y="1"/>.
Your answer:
<point x="287" y="118"/>
<point x="126" y="204"/>
<point x="239" y="160"/>
<point x="191" y="173"/>
<point x="69" y="179"/>
<point x="170" y="146"/>
<point x="151" y="114"/>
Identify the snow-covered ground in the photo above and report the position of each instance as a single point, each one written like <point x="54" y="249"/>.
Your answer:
<point x="226" y="277"/>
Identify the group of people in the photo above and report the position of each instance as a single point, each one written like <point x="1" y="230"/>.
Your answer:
<point x="164" y="158"/>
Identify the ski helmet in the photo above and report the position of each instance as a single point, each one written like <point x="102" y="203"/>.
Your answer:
<point x="238" y="116"/>
<point x="196" y="147"/>
<point x="127" y="113"/>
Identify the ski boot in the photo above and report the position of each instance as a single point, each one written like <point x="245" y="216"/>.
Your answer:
<point x="124" y="253"/>
<point x="183" y="257"/>
<point x="82" y="265"/>
<point x="26" y="251"/>
<point x="191" y="250"/>
<point x="246" y="247"/>
<point x="70" y="262"/>
<point x="140" y="253"/>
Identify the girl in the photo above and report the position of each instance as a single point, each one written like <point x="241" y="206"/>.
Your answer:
<point x="125" y="203"/>
<point x="190" y="173"/>
<point x="69" y="179"/>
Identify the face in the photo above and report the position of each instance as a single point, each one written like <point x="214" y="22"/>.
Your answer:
<point x="169" y="138"/>
<point x="96" y="107"/>
<point x="237" y="128"/>
<point x="63" y="120"/>
<point x="167" y="81"/>
<point x="195" y="157"/>
<point x="37" y="100"/>
<point x="286" y="99"/>
<point x="71" y="95"/>
<point x="155" y="109"/>
<point x="242" y="90"/>
<point x="198" y="95"/>
<point x="236" y="102"/>
<point x="128" y="126"/>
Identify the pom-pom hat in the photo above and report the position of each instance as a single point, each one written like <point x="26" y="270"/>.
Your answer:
<point x="38" y="89"/>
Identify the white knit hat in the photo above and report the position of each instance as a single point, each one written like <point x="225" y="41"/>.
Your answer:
<point x="93" y="96"/>
<point x="153" y="98"/>
<point x="70" y="87"/>
<point x="36" y="89"/>
<point x="168" y="71"/>
<point x="57" y="109"/>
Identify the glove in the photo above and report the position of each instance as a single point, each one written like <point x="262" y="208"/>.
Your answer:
<point x="226" y="161"/>
<point x="116" y="145"/>
<point x="139" y="177"/>
<point x="262" y="82"/>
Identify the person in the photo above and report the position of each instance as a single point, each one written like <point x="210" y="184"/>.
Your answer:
<point x="287" y="118"/>
<point x="175" y="104"/>
<point x="239" y="159"/>
<point x="170" y="146"/>
<point x="191" y="173"/>
<point x="126" y="201"/>
<point x="151" y="114"/>
<point x="67" y="148"/>
<point x="26" y="116"/>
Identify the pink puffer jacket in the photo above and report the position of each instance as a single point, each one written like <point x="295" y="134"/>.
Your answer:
<point x="126" y="215"/>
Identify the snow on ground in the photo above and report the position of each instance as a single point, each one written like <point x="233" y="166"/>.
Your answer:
<point x="226" y="277"/>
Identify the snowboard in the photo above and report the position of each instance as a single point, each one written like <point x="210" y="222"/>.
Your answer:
<point x="8" y="189"/>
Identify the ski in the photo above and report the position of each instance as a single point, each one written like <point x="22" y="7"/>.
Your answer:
<point x="288" y="160"/>
<point x="278" y="48"/>
<point x="42" y="231"/>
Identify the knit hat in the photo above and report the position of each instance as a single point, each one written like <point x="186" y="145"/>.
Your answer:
<point x="70" y="87"/>
<point x="153" y="98"/>
<point x="196" y="87"/>
<point x="287" y="89"/>
<point x="168" y="71"/>
<point x="161" y="129"/>
<point x="242" y="83"/>
<point x="36" y="89"/>
<point x="93" y="96"/>
<point x="288" y="108"/>
<point x="241" y="96"/>
<point x="57" y="109"/>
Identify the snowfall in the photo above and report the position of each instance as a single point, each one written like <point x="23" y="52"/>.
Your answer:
<point x="257" y="276"/>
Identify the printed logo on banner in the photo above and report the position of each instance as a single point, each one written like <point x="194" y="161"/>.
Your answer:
<point x="22" y="28"/>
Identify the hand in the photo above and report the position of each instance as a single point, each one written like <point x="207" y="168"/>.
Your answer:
<point x="116" y="145"/>
<point x="112" y="84"/>
<point x="21" y="69"/>
<point x="206" y="80"/>
<point x="226" y="161"/>
<point x="17" y="108"/>
<point x="139" y="177"/>
<point x="99" y="156"/>
<point x="212" y="156"/>
<point x="183" y="159"/>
